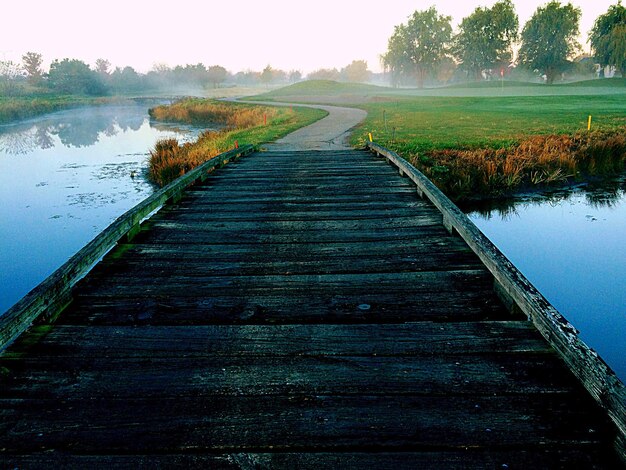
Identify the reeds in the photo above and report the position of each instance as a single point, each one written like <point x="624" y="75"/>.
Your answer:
<point x="169" y="160"/>
<point x="538" y="160"/>
<point x="229" y="115"/>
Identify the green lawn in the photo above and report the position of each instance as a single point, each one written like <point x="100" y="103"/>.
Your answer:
<point x="426" y="123"/>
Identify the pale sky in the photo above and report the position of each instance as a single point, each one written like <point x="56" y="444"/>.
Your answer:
<point x="237" y="34"/>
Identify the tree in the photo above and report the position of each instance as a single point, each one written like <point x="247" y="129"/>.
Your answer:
<point x="396" y="60"/>
<point x="549" y="39"/>
<point x="324" y="74"/>
<point x="9" y="75"/>
<point x="485" y="40"/>
<point x="295" y="76"/>
<point x="608" y="38"/>
<point x="356" y="72"/>
<point x="74" y="77"/>
<point x="103" y="66"/>
<point x="422" y="44"/>
<point x="31" y="61"/>
<point x="267" y="75"/>
<point x="125" y="80"/>
<point x="217" y="75"/>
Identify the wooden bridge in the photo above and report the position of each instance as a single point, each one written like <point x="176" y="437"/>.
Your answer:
<point x="300" y="310"/>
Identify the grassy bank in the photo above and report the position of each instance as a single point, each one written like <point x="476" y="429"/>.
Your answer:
<point x="22" y="107"/>
<point x="489" y="146"/>
<point x="243" y="123"/>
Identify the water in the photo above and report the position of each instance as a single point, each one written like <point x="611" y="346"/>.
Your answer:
<point x="64" y="177"/>
<point x="572" y="247"/>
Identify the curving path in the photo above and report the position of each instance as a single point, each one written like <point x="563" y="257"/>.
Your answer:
<point x="329" y="133"/>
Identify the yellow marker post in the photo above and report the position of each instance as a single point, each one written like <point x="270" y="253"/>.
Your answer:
<point x="589" y="123"/>
<point x="370" y="134"/>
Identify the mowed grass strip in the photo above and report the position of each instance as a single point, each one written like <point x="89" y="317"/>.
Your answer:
<point x="422" y="124"/>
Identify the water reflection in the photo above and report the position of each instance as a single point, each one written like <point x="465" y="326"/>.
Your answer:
<point x="570" y="245"/>
<point x="598" y="195"/>
<point x="64" y="177"/>
<point x="77" y="128"/>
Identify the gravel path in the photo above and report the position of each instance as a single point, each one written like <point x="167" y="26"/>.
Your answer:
<point x="329" y="133"/>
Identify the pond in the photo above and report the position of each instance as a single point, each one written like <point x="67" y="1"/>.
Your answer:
<point x="66" y="176"/>
<point x="572" y="246"/>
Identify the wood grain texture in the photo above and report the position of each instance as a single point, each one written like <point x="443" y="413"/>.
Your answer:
<point x="294" y="310"/>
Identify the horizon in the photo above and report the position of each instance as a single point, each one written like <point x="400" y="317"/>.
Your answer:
<point x="306" y="38"/>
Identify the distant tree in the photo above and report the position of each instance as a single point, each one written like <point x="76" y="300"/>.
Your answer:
<point x="324" y="74"/>
<point x="279" y="76"/>
<point x="485" y="38"/>
<point x="32" y="61"/>
<point x="194" y="75"/>
<point x="248" y="77"/>
<point x="422" y="44"/>
<point x="74" y="77"/>
<point x="267" y="75"/>
<point x="217" y="75"/>
<point x="103" y="66"/>
<point x="608" y="38"/>
<point x="295" y="76"/>
<point x="161" y="68"/>
<point x="10" y="73"/>
<point x="397" y="60"/>
<point x="356" y="72"/>
<point x="549" y="39"/>
<point x="126" y="80"/>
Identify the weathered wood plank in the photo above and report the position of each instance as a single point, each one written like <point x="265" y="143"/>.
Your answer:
<point x="241" y="195"/>
<point x="208" y="217"/>
<point x="164" y="284"/>
<point x="278" y="235"/>
<point x="300" y="423"/>
<point x="302" y="205"/>
<point x="408" y="249"/>
<point x="355" y="191"/>
<point x="204" y="378"/>
<point x="388" y="340"/>
<point x="253" y="264"/>
<point x="588" y="456"/>
<point x="199" y="307"/>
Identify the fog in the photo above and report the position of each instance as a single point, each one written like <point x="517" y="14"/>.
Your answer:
<point x="237" y="35"/>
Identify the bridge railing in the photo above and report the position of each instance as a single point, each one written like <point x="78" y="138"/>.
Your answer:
<point x="518" y="293"/>
<point x="50" y="297"/>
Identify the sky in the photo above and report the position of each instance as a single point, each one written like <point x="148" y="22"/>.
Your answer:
<point x="237" y="34"/>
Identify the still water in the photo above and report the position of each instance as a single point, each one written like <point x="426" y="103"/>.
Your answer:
<point x="64" y="177"/>
<point x="572" y="247"/>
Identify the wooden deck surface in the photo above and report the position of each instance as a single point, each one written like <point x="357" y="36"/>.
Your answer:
<point x="296" y="310"/>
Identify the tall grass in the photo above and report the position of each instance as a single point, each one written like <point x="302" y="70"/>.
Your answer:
<point x="230" y="115"/>
<point x="537" y="160"/>
<point x="243" y="123"/>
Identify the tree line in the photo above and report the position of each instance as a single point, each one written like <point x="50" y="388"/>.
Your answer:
<point x="425" y="47"/>
<point x="73" y="76"/>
